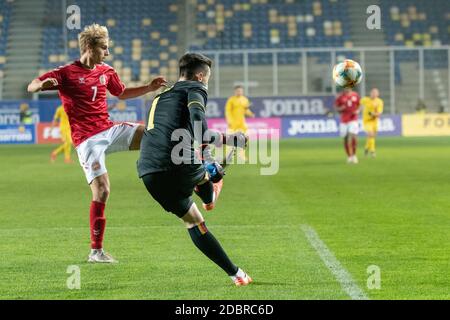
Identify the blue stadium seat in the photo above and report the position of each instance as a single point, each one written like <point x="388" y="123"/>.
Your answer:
<point x="128" y="15"/>
<point x="5" y="12"/>
<point x="261" y="27"/>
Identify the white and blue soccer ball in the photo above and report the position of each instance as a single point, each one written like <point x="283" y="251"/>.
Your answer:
<point x="347" y="73"/>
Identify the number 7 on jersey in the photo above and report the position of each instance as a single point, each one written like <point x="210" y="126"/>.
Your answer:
<point x="95" y="92"/>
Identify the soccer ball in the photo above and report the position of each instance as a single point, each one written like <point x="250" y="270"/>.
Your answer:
<point x="347" y="73"/>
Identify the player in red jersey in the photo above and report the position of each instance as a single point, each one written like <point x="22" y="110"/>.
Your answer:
<point x="82" y="87"/>
<point x="347" y="104"/>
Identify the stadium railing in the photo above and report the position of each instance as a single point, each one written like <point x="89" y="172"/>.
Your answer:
<point x="236" y="66"/>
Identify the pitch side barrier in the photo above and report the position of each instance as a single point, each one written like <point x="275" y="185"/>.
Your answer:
<point x="287" y="116"/>
<point x="12" y="132"/>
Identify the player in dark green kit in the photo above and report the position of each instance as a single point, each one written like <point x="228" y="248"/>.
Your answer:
<point x="168" y="164"/>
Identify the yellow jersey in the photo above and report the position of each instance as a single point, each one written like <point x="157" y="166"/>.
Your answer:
<point x="371" y="106"/>
<point x="236" y="109"/>
<point x="61" y="115"/>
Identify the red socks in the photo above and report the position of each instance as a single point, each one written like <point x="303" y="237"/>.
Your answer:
<point x="347" y="148"/>
<point x="97" y="222"/>
<point x="350" y="150"/>
<point x="354" y="145"/>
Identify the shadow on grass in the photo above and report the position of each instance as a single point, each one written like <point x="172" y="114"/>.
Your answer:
<point x="263" y="283"/>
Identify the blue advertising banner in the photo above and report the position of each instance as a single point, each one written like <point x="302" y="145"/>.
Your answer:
<point x="10" y="111"/>
<point x="120" y="110"/>
<point x="134" y="109"/>
<point x="126" y="110"/>
<point x="16" y="134"/>
<point x="43" y="110"/>
<point x="322" y="126"/>
<point x="268" y="107"/>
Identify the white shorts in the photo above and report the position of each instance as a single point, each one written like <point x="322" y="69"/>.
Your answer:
<point x="351" y="127"/>
<point x="92" y="151"/>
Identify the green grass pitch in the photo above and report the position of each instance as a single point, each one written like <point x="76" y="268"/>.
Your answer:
<point x="392" y="212"/>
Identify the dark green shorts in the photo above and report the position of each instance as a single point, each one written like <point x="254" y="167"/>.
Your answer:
<point x="173" y="189"/>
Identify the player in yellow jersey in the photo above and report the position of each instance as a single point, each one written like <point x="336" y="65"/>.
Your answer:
<point x="64" y="128"/>
<point x="236" y="109"/>
<point x="373" y="108"/>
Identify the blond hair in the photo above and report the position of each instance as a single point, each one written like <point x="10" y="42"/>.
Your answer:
<point x="92" y="36"/>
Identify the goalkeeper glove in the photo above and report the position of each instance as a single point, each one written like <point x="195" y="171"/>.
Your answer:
<point x="215" y="171"/>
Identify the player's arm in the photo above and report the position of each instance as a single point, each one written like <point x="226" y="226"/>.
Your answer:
<point x="228" y="115"/>
<point x="51" y="80"/>
<point x="197" y="109"/>
<point x="364" y="104"/>
<point x="338" y="106"/>
<point x="379" y="110"/>
<point x="38" y="85"/>
<point x="357" y="106"/>
<point x="196" y="105"/>
<point x="248" y="111"/>
<point x="135" y="92"/>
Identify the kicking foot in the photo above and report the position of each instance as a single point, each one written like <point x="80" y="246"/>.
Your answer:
<point x="241" y="279"/>
<point x="217" y="189"/>
<point x="99" y="256"/>
<point x="52" y="157"/>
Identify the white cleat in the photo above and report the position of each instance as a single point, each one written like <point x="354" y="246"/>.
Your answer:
<point x="241" y="279"/>
<point x="99" y="256"/>
<point x="352" y="159"/>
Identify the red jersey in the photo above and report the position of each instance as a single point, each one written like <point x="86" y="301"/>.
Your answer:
<point x="83" y="94"/>
<point x="351" y="103"/>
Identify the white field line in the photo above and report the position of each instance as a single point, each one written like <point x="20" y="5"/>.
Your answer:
<point x="343" y="276"/>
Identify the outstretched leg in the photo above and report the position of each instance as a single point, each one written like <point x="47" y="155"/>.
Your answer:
<point x="207" y="243"/>
<point x="136" y="141"/>
<point x="209" y="192"/>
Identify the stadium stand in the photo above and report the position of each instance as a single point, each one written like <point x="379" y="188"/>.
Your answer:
<point x="5" y="12"/>
<point x="418" y="24"/>
<point x="146" y="42"/>
<point x="225" y="24"/>
<point x="251" y="24"/>
<point x="412" y="24"/>
<point x="151" y="50"/>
